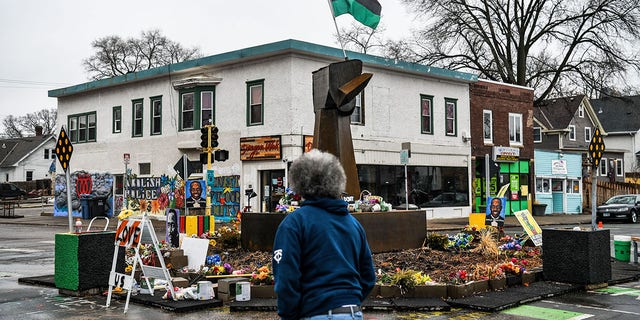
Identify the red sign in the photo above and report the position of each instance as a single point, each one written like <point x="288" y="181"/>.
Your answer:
<point x="126" y="157"/>
<point x="84" y="184"/>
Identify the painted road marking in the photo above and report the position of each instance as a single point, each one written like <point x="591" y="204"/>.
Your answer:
<point x="592" y="307"/>
<point x="546" y="313"/>
<point x="620" y="291"/>
<point x="20" y="250"/>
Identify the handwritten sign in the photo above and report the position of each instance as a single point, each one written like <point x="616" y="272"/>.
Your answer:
<point x="530" y="226"/>
<point x="260" y="148"/>
<point x="129" y="233"/>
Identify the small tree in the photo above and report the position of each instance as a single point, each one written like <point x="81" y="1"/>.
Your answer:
<point x="116" y="56"/>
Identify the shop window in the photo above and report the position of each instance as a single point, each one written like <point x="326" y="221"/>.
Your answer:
<point x="426" y="114"/>
<point x="138" y="113"/>
<point x="573" y="186"/>
<point x="543" y="185"/>
<point x="556" y="185"/>
<point x="357" y="117"/>
<point x="487" y="126"/>
<point x="255" y="102"/>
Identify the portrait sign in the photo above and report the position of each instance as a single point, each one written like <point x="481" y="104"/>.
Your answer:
<point x="196" y="194"/>
<point x="495" y="211"/>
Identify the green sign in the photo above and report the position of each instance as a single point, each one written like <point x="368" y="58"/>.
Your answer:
<point x="514" y="180"/>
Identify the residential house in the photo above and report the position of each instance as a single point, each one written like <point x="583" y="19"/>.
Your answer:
<point x="620" y="117"/>
<point x="562" y="132"/>
<point x="502" y="143"/>
<point x="260" y="98"/>
<point x="27" y="158"/>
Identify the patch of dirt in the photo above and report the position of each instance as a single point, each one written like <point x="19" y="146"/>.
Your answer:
<point x="434" y="263"/>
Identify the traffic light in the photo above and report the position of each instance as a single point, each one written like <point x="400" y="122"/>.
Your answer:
<point x="214" y="137"/>
<point x="203" y="158"/>
<point x="204" y="137"/>
<point x="221" y="155"/>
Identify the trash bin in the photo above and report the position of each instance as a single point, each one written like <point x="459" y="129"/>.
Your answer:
<point x="622" y="246"/>
<point x="97" y="206"/>
<point x="85" y="206"/>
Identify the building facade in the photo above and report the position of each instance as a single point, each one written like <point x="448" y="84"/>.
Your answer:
<point x="260" y="98"/>
<point x="27" y="159"/>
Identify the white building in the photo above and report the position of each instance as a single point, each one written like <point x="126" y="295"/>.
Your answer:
<point x="265" y="92"/>
<point x="26" y="159"/>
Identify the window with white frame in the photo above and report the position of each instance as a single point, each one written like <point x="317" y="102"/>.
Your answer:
<point x="138" y="115"/>
<point x="619" y="168"/>
<point x="543" y="185"/>
<point x="426" y="114"/>
<point x="581" y="111"/>
<point x="587" y="134"/>
<point x="487" y="126"/>
<point x="197" y="107"/>
<point x="255" y="102"/>
<point x="206" y="108"/>
<point x="451" y="123"/>
<point x="29" y="175"/>
<point x="156" y="115"/>
<point x="572" y="132"/>
<point x="515" y="128"/>
<point x="187" y="114"/>
<point x="603" y="167"/>
<point x="82" y="127"/>
<point x="537" y="134"/>
<point x="116" y="125"/>
<point x="573" y="186"/>
<point x="46" y="154"/>
<point x="357" y="117"/>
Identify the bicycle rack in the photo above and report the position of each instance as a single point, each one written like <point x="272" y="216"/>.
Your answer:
<point x="105" y="226"/>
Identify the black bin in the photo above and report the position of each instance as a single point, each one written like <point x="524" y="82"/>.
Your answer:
<point x="97" y="207"/>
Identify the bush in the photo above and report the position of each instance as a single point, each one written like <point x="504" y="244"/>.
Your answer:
<point x="437" y="241"/>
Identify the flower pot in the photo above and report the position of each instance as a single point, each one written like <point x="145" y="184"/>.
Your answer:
<point x="497" y="284"/>
<point x="455" y="291"/>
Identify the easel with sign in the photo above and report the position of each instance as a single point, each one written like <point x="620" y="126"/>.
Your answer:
<point x="128" y="235"/>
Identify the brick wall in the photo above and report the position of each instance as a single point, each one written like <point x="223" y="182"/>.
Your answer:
<point x="501" y="99"/>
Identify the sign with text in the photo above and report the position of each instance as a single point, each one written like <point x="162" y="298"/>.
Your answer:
<point x="506" y="154"/>
<point x="260" y="148"/>
<point x="128" y="233"/>
<point x="558" y="166"/>
<point x="530" y="226"/>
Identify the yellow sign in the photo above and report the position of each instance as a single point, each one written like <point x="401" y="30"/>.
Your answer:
<point x="530" y="226"/>
<point x="64" y="149"/>
<point x="596" y="148"/>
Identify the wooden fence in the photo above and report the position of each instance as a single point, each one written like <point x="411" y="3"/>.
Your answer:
<point x="604" y="191"/>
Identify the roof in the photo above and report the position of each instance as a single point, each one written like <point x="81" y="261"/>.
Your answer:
<point x="618" y="114"/>
<point x="14" y="150"/>
<point x="271" y="49"/>
<point x="557" y="113"/>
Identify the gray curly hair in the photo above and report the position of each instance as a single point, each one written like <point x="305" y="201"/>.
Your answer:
<point x="317" y="174"/>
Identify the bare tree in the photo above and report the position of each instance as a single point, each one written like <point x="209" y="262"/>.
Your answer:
<point x="545" y="44"/>
<point x="116" y="56"/>
<point x="23" y="126"/>
<point x="360" y="38"/>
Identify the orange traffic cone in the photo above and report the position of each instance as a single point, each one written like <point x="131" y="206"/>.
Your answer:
<point x="600" y="225"/>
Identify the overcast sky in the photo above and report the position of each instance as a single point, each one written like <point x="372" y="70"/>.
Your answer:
<point x="44" y="42"/>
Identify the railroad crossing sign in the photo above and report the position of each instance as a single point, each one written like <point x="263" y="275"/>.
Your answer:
<point x="64" y="149"/>
<point x="596" y="148"/>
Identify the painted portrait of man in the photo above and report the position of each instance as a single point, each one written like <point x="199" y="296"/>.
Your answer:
<point x="196" y="189"/>
<point x="495" y="212"/>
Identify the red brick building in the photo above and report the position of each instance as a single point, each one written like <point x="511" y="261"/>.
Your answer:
<point x="502" y="130"/>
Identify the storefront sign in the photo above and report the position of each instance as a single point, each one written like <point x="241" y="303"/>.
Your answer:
<point x="558" y="166"/>
<point x="506" y="154"/>
<point x="307" y="143"/>
<point x="260" y="148"/>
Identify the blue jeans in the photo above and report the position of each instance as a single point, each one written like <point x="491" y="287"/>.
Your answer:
<point x="336" y="316"/>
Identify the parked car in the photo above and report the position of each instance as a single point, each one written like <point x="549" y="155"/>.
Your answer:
<point x="622" y="207"/>
<point x="447" y="199"/>
<point x="9" y="190"/>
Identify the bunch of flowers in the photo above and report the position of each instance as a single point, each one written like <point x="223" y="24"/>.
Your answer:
<point x="511" y="243"/>
<point x="263" y="276"/>
<point x="458" y="277"/>
<point x="224" y="237"/>
<point x="514" y="266"/>
<point x="288" y="202"/>
<point x="460" y="241"/>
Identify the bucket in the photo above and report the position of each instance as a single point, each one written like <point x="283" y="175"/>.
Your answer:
<point x="205" y="290"/>
<point x="622" y="246"/>
<point x="243" y="291"/>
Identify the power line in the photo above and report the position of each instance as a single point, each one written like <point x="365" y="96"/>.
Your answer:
<point x="32" y="82"/>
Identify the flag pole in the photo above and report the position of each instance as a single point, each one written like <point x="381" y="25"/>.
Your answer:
<point x="337" y="30"/>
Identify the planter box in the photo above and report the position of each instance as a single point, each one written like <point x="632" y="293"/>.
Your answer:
<point x="428" y="291"/>
<point x="513" y="280"/>
<point x="582" y="257"/>
<point x="456" y="291"/>
<point x="375" y="292"/>
<point x="479" y="286"/>
<point x="263" y="291"/>
<point x="497" y="284"/>
<point x="528" y="278"/>
<point x="390" y="291"/>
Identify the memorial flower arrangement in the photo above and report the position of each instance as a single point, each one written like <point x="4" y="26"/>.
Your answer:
<point x="514" y="266"/>
<point x="263" y="276"/>
<point x="460" y="240"/>
<point x="458" y="277"/>
<point x="288" y="202"/>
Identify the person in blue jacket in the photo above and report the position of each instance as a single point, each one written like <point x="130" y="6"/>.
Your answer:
<point x="322" y="262"/>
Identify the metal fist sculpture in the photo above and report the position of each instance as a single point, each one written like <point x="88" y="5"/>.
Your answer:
<point x="334" y="89"/>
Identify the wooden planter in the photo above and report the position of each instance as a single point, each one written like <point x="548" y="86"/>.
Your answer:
<point x="456" y="291"/>
<point x="263" y="291"/>
<point x="497" y="284"/>
<point x="582" y="257"/>
<point x="479" y="286"/>
<point x="429" y="291"/>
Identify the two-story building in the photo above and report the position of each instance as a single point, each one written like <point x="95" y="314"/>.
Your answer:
<point x="260" y="98"/>
<point x="502" y="143"/>
<point x="562" y="131"/>
<point x="620" y="117"/>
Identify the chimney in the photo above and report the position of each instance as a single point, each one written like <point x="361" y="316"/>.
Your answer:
<point x="38" y="131"/>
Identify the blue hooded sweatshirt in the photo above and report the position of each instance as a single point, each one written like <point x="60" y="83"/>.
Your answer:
<point x="321" y="260"/>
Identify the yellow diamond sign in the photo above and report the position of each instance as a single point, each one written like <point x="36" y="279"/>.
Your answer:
<point x="596" y="148"/>
<point x="64" y="149"/>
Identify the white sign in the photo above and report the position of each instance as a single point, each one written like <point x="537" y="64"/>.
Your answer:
<point x="126" y="158"/>
<point x="506" y="154"/>
<point x="558" y="166"/>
